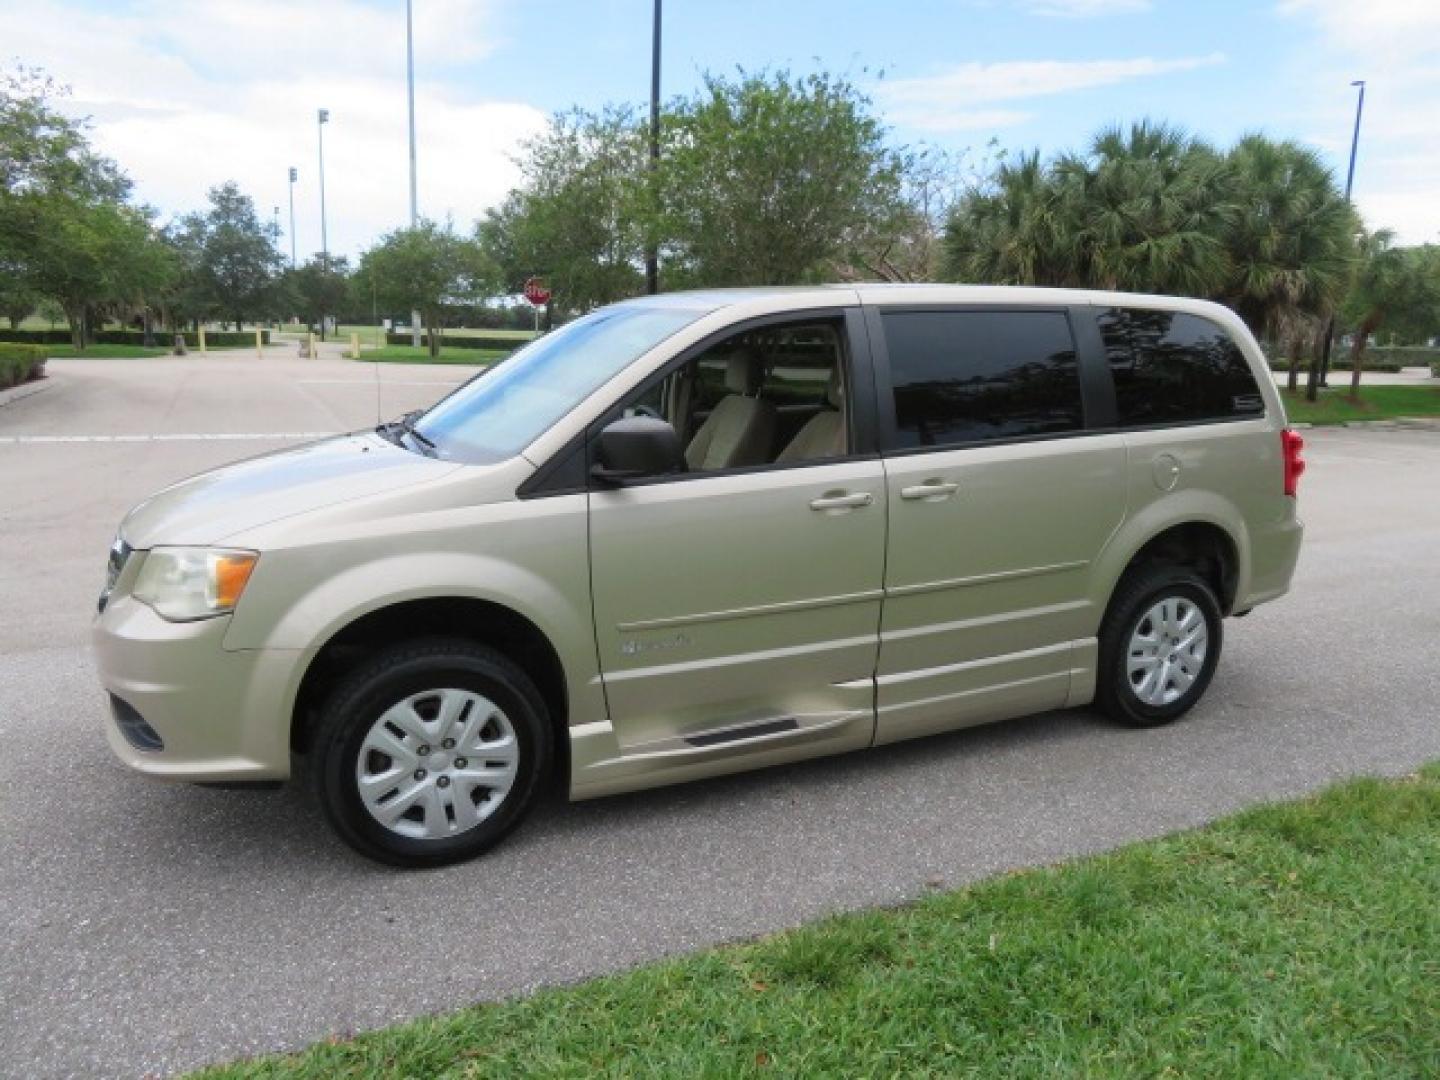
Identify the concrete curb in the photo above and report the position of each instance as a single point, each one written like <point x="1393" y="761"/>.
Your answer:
<point x="24" y="390"/>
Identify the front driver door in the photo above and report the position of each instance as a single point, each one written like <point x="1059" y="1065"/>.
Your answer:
<point x="737" y="611"/>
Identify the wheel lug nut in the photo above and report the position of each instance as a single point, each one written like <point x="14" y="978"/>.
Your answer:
<point x="444" y="781"/>
<point x="424" y="749"/>
<point x="448" y="744"/>
<point x="460" y="763"/>
<point x="420" y="774"/>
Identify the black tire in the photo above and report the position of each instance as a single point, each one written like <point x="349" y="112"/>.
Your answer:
<point x="391" y="676"/>
<point x="1138" y="592"/>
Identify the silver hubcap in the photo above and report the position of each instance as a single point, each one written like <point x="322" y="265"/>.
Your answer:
<point x="1167" y="651"/>
<point x="437" y="763"/>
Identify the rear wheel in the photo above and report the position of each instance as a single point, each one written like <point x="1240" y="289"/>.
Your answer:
<point x="430" y="752"/>
<point x="1159" y="646"/>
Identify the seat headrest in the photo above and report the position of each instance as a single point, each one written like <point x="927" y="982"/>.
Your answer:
<point x="835" y="388"/>
<point x="742" y="373"/>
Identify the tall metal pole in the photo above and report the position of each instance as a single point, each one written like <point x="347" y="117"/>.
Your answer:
<point x="1355" y="138"/>
<point x="414" y="199"/>
<point x="293" y="176"/>
<point x="1324" y="379"/>
<point x="323" y="117"/>
<point x="652" y="256"/>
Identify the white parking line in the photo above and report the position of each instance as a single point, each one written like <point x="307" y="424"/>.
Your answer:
<point x="166" y="438"/>
<point x="371" y="382"/>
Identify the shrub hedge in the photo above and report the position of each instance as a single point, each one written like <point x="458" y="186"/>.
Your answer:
<point x="479" y="341"/>
<point x="1342" y="363"/>
<point x="163" y="338"/>
<point x="20" y="363"/>
<point x="1404" y="355"/>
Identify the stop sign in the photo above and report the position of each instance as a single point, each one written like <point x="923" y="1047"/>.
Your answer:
<point x="536" y="293"/>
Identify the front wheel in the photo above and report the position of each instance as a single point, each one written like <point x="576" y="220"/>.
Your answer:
<point x="430" y="752"/>
<point x="1159" y="646"/>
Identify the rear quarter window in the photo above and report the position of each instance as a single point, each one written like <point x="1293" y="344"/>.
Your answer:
<point x="1172" y="367"/>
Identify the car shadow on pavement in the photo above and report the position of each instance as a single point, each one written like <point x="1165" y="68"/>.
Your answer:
<point x="184" y="827"/>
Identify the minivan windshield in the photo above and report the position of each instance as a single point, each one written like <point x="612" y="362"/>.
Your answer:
<point x="500" y="413"/>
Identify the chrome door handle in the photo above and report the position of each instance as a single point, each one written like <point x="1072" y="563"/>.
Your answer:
<point x="842" y="501"/>
<point x="932" y="490"/>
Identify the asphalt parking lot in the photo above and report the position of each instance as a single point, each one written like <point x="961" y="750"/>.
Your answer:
<point x="153" y="928"/>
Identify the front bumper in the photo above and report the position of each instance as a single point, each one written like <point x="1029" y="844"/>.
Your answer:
<point x="220" y="715"/>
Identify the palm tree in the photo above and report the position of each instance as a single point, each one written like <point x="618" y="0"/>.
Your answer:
<point x="1012" y="232"/>
<point x="1393" y="286"/>
<point x="1290" y="241"/>
<point x="1150" y="203"/>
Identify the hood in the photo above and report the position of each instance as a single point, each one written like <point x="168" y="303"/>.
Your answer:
<point x="206" y="509"/>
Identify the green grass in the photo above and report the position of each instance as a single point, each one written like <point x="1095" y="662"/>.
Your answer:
<point x="1296" y="939"/>
<point x="372" y="335"/>
<point x="1376" y="403"/>
<point x="408" y="354"/>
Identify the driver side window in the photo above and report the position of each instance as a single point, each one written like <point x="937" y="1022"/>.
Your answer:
<point x="773" y="395"/>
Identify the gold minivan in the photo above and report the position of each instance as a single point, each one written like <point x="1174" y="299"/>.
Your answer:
<point x="702" y="532"/>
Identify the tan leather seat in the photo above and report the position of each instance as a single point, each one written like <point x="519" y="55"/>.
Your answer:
<point x="823" y="435"/>
<point x="741" y="427"/>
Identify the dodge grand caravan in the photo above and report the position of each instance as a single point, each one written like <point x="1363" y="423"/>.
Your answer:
<point x="703" y="532"/>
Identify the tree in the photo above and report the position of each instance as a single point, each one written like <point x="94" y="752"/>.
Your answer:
<point x="582" y="216"/>
<point x="1014" y="230"/>
<point x="906" y="244"/>
<point x="1143" y="209"/>
<point x="1291" y="243"/>
<point x="1262" y="227"/>
<point x="1394" y="287"/>
<point x="66" y="230"/>
<point x="17" y="298"/>
<point x="238" y="262"/>
<point x="771" y="179"/>
<point x="423" y="269"/>
<point x="318" y="287"/>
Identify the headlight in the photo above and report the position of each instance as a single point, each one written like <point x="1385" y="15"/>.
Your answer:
<point x="183" y="583"/>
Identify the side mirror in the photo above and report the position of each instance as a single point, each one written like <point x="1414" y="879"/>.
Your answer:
<point x="635" y="448"/>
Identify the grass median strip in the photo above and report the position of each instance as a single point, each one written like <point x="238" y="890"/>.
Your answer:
<point x="1298" y="938"/>
<point x="409" y="354"/>
<point x="1376" y="403"/>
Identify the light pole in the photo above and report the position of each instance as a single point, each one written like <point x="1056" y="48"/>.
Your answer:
<point x="1324" y="379"/>
<point x="414" y="203"/>
<point x="1355" y="138"/>
<point x="294" y="175"/>
<point x="652" y="255"/>
<point x="323" y="118"/>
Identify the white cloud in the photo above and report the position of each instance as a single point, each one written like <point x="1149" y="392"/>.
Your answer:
<point x="946" y="101"/>
<point x="1392" y="44"/>
<point x="1085" y="9"/>
<point x="230" y="90"/>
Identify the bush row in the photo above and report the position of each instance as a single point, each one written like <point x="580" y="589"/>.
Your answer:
<point x="479" y="341"/>
<point x="163" y="338"/>
<point x="1342" y="363"/>
<point x="19" y="363"/>
<point x="1405" y="355"/>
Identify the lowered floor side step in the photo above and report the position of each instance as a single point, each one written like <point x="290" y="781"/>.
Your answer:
<point x="744" y="731"/>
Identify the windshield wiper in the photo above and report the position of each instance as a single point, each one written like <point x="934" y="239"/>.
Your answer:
<point x="396" y="430"/>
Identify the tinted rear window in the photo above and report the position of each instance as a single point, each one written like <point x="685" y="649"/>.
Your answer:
<point x="1172" y="367"/>
<point x="969" y="376"/>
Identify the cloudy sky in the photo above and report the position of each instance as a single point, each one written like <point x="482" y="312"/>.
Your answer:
<point x="188" y="93"/>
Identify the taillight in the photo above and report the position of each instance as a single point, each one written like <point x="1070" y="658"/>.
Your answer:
<point x="1291" y="445"/>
